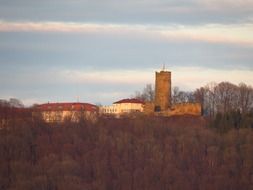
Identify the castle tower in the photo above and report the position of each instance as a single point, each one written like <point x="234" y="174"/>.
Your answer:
<point x="162" y="91"/>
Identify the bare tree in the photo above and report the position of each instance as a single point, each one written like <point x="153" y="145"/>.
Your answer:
<point x="245" y="96"/>
<point x="175" y="95"/>
<point x="226" y="95"/>
<point x="147" y="94"/>
<point x="16" y="103"/>
<point x="199" y="97"/>
<point x="179" y="96"/>
<point x="210" y="97"/>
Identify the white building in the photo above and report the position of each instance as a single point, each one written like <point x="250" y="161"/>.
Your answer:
<point x="59" y="112"/>
<point x="124" y="106"/>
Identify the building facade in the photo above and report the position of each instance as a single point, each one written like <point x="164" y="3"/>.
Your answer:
<point x="60" y="112"/>
<point x="124" y="106"/>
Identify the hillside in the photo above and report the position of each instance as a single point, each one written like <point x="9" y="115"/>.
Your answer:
<point x="142" y="153"/>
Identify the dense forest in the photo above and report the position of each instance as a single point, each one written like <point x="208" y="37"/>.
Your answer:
<point x="125" y="154"/>
<point x="211" y="152"/>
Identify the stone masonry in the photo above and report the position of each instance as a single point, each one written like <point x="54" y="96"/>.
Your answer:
<point x="162" y="91"/>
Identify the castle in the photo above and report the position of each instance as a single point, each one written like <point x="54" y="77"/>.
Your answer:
<point x="162" y="105"/>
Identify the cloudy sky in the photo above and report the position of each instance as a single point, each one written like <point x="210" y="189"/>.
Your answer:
<point x="101" y="51"/>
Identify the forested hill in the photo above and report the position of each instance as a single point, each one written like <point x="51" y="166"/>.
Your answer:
<point x="176" y="153"/>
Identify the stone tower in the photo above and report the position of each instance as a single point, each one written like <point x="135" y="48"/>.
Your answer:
<point x="162" y="91"/>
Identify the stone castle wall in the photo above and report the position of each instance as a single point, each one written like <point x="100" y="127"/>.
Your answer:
<point x="185" y="109"/>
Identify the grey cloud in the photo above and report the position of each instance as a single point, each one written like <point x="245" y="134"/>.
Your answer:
<point x="130" y="11"/>
<point x="33" y="86"/>
<point x="30" y="62"/>
<point x="108" y="52"/>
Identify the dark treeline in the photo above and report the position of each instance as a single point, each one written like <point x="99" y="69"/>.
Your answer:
<point x="9" y="115"/>
<point x="225" y="97"/>
<point x="227" y="105"/>
<point x="176" y="153"/>
<point x="12" y="102"/>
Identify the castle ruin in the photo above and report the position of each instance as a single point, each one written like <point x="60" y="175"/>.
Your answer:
<point x="162" y="105"/>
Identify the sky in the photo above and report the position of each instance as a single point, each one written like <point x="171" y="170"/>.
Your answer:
<point x="102" y="51"/>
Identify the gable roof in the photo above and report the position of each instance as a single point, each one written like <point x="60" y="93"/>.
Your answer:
<point x="128" y="100"/>
<point x="75" y="106"/>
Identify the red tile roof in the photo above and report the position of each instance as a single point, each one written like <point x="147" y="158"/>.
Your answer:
<point x="76" y="106"/>
<point x="132" y="100"/>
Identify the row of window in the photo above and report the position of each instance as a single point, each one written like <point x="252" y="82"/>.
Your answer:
<point x="61" y="107"/>
<point x="122" y="111"/>
<point x="109" y="110"/>
<point x="58" y="116"/>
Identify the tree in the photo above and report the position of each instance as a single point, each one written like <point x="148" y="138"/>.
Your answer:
<point x="179" y="96"/>
<point x="245" y="97"/>
<point x="147" y="94"/>
<point x="210" y="97"/>
<point x="175" y="95"/>
<point x="199" y="96"/>
<point x="16" y="103"/>
<point x="226" y="96"/>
